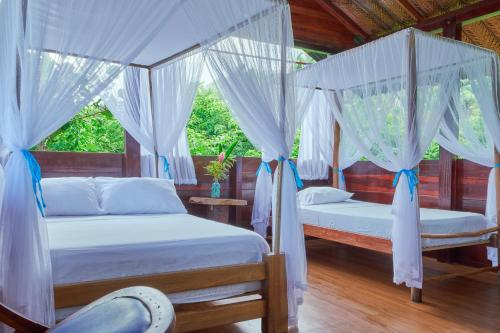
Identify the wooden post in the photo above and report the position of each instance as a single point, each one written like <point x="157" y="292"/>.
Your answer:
<point x="447" y="182"/>
<point x="153" y="122"/>
<point x="497" y="192"/>
<point x="277" y="227"/>
<point x="336" y="155"/>
<point x="336" y="144"/>
<point x="275" y="291"/>
<point x="132" y="157"/>
<point x="416" y="293"/>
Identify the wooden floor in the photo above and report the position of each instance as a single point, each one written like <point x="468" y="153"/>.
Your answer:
<point x="350" y="290"/>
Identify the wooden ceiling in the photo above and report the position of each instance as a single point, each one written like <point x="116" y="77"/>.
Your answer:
<point x="337" y="25"/>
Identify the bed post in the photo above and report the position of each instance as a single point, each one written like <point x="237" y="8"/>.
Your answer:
<point x="275" y="287"/>
<point x="153" y="123"/>
<point x="336" y="145"/>
<point x="336" y="155"/>
<point x="416" y="293"/>
<point x="497" y="190"/>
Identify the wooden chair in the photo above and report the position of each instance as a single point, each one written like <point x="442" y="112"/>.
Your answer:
<point x="129" y="310"/>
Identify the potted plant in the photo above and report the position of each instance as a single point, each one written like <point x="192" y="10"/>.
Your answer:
<point x="219" y="168"/>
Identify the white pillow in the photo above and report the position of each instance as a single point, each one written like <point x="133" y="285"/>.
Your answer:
<point x="70" y="196"/>
<point x="120" y="196"/>
<point x="322" y="195"/>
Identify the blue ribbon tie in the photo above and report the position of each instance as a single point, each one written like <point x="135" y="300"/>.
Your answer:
<point x="166" y="167"/>
<point x="36" y="177"/>
<point x="292" y="165"/>
<point x="341" y="174"/>
<point x="264" y="165"/>
<point x="411" y="174"/>
<point x="497" y="165"/>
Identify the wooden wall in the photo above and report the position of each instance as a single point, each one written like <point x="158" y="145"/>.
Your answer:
<point x="366" y="180"/>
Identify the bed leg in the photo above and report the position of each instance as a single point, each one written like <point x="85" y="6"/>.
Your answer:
<point x="416" y="295"/>
<point x="275" y="294"/>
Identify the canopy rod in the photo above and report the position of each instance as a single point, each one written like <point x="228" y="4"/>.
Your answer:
<point x="153" y="122"/>
<point x="174" y="56"/>
<point x="76" y="55"/>
<point x="296" y="62"/>
<point x="449" y="67"/>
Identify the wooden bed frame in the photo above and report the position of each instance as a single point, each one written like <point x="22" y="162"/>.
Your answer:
<point x="268" y="303"/>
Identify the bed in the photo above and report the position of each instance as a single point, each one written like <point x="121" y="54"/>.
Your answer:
<point x="375" y="220"/>
<point x="369" y="225"/>
<point x="214" y="273"/>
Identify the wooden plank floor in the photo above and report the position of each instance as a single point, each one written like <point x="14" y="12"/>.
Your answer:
<point x="350" y="290"/>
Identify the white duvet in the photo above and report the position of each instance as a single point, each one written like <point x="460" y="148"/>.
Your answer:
<point x="103" y="247"/>
<point x="375" y="220"/>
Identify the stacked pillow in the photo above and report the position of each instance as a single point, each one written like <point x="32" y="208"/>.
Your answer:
<point x="78" y="196"/>
<point x="322" y="195"/>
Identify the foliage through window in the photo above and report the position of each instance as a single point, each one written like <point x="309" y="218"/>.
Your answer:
<point x="93" y="129"/>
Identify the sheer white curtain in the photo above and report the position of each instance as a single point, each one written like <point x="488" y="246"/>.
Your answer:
<point x="40" y="92"/>
<point x="247" y="70"/>
<point x="174" y="89"/>
<point x="376" y="109"/>
<point x="464" y="131"/>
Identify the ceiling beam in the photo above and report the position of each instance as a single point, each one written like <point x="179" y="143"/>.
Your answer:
<point x="338" y="13"/>
<point x="411" y="9"/>
<point x="477" y="9"/>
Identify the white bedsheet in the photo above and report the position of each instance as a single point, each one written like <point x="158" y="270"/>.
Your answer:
<point x="103" y="247"/>
<point x="374" y="219"/>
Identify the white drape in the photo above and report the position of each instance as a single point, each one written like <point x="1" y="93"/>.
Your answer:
<point x="174" y="88"/>
<point x="464" y="131"/>
<point x="247" y="70"/>
<point x="370" y="89"/>
<point x="316" y="143"/>
<point x="40" y="92"/>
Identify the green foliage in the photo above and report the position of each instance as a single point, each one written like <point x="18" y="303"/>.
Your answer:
<point x="94" y="129"/>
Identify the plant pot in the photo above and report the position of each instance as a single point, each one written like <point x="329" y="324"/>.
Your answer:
<point x="215" y="190"/>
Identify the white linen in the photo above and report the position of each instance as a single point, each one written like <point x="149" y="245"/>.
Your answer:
<point x="251" y="69"/>
<point x="375" y="220"/>
<point x="40" y="92"/>
<point x="121" y="196"/>
<point x="103" y="247"/>
<point x="322" y="195"/>
<point x="464" y="131"/>
<point x="317" y="141"/>
<point x="70" y="196"/>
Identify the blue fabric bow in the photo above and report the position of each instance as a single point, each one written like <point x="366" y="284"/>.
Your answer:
<point x="497" y="165"/>
<point x="36" y="177"/>
<point x="411" y="174"/>
<point x="341" y="174"/>
<point x="264" y="165"/>
<point x="166" y="167"/>
<point x="298" y="181"/>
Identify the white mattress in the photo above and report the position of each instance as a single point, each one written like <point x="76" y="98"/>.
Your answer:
<point x="103" y="247"/>
<point x="376" y="220"/>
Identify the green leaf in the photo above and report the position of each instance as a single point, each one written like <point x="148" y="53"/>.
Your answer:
<point x="230" y="150"/>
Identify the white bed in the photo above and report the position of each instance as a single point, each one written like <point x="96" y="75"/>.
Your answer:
<point x="110" y="246"/>
<point x="375" y="220"/>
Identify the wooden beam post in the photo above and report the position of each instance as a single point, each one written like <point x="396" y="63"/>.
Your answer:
<point x="132" y="157"/>
<point x="336" y="155"/>
<point x="447" y="182"/>
<point x="497" y="192"/>
<point x="153" y="122"/>
<point x="416" y="293"/>
<point x="275" y="291"/>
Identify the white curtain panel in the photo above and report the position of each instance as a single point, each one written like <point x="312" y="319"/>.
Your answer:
<point x="262" y="205"/>
<point x="369" y="86"/>
<point x="315" y="137"/>
<point x="40" y="92"/>
<point x="316" y="143"/>
<point x="464" y="131"/>
<point x="260" y="92"/>
<point x="174" y="89"/>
